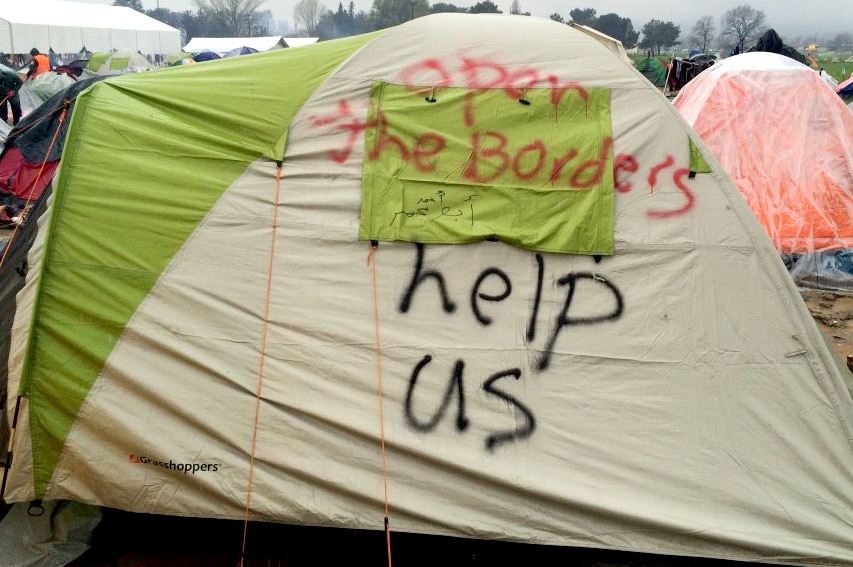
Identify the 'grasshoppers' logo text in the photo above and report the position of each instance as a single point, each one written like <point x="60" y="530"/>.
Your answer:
<point x="186" y="468"/>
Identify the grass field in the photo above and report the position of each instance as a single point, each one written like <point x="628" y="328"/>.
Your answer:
<point x="841" y="71"/>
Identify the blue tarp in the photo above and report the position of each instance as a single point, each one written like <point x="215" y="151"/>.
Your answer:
<point x="206" y="56"/>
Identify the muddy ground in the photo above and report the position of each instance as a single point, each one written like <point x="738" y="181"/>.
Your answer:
<point x="833" y="312"/>
<point x="134" y="540"/>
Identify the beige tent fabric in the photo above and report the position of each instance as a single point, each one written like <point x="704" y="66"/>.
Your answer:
<point x="611" y="43"/>
<point x="674" y="398"/>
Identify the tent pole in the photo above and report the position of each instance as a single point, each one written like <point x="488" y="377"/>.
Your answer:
<point x="7" y="464"/>
<point x="666" y="81"/>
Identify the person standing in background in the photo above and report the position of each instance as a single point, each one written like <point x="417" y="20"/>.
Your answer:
<point x="10" y="82"/>
<point x="38" y="65"/>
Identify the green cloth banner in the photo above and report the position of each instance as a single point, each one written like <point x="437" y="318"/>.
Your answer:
<point x="456" y="165"/>
<point x="697" y="160"/>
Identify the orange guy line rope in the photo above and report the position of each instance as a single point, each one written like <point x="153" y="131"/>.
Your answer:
<point x="371" y="261"/>
<point x="274" y="226"/>
<point x="63" y="108"/>
<point x="33" y="188"/>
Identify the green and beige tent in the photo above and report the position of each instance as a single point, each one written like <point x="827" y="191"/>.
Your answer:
<point x="472" y="274"/>
<point x="117" y="62"/>
<point x="655" y="69"/>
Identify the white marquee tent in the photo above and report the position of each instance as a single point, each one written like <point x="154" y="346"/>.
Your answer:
<point x="68" y="27"/>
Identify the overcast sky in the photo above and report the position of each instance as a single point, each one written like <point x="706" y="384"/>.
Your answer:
<point x="788" y="17"/>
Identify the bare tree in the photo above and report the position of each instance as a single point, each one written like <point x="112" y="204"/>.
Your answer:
<point x="308" y="14"/>
<point x="702" y="32"/>
<point x="843" y="42"/>
<point x="515" y="7"/>
<point x="741" y="24"/>
<point x="237" y="16"/>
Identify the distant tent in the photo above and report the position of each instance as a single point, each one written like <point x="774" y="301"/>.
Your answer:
<point x="48" y="84"/>
<point x="206" y="56"/>
<point x="654" y="69"/>
<point x="223" y="45"/>
<point x="117" y="62"/>
<point x="207" y="328"/>
<point x="237" y="51"/>
<point x="785" y="140"/>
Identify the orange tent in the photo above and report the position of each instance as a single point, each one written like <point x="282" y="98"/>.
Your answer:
<point x="786" y="139"/>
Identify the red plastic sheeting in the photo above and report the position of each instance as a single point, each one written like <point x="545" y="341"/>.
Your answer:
<point x="786" y="140"/>
<point x="25" y="180"/>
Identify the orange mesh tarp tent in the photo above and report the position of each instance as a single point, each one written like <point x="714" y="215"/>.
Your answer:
<point x="786" y="139"/>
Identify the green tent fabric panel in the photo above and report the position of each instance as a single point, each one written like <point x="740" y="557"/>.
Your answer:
<point x="172" y="141"/>
<point x="654" y="69"/>
<point x="459" y="165"/>
<point x="119" y="63"/>
<point x="98" y="59"/>
<point x="697" y="160"/>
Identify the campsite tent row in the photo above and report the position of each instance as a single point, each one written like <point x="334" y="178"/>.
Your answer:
<point x="223" y="45"/>
<point x="495" y="286"/>
<point x="71" y="27"/>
